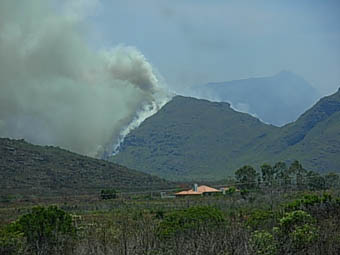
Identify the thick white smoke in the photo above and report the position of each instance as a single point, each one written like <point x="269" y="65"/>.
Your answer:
<point x="55" y="89"/>
<point x="147" y="111"/>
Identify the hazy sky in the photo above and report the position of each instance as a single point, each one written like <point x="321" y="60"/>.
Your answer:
<point x="197" y="41"/>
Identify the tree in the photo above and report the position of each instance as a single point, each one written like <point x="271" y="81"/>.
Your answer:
<point x="282" y="174"/>
<point x="315" y="181"/>
<point x="299" y="173"/>
<point x="45" y="228"/>
<point x="268" y="174"/>
<point x="246" y="177"/>
<point x="332" y="180"/>
<point x="108" y="194"/>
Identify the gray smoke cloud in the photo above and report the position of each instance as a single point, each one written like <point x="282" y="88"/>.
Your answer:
<point x="55" y="89"/>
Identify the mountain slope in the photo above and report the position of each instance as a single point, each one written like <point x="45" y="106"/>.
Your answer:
<point x="315" y="136"/>
<point x="278" y="99"/>
<point x="32" y="169"/>
<point x="192" y="138"/>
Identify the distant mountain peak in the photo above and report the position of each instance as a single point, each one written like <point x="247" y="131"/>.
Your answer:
<point x="277" y="99"/>
<point x="289" y="75"/>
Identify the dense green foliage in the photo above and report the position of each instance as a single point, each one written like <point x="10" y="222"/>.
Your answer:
<point x="11" y="241"/>
<point x="246" y="177"/>
<point x="280" y="177"/>
<point x="31" y="169"/>
<point x="41" y="231"/>
<point x="189" y="220"/>
<point x="108" y="194"/>
<point x="192" y="138"/>
<point x="45" y="228"/>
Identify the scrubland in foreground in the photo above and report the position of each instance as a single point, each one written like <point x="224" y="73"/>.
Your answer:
<point x="263" y="220"/>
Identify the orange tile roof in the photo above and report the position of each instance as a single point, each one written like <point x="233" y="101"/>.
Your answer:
<point x="200" y="190"/>
<point x="188" y="192"/>
<point x="204" y="188"/>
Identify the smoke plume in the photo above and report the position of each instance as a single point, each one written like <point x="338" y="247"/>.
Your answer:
<point x="55" y="89"/>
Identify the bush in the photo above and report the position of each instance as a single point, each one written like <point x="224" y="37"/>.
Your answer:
<point x="11" y="241"/>
<point x="303" y="236"/>
<point x="108" y="194"/>
<point x="293" y="219"/>
<point x="45" y="229"/>
<point x="263" y="243"/>
<point x="190" y="219"/>
<point x="259" y="218"/>
<point x="296" y="231"/>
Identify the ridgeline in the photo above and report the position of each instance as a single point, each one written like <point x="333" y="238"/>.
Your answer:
<point x="198" y="139"/>
<point x="46" y="170"/>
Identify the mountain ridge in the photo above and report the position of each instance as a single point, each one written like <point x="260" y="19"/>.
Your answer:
<point x="269" y="98"/>
<point x="46" y="170"/>
<point x="195" y="138"/>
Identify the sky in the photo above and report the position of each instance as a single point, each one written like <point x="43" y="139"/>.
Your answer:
<point x="192" y="42"/>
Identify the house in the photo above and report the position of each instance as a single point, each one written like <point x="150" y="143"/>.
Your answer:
<point x="198" y="191"/>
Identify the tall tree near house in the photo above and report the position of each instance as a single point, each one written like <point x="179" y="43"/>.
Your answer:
<point x="299" y="174"/>
<point x="268" y="174"/>
<point x="315" y="181"/>
<point x="246" y="177"/>
<point x="332" y="180"/>
<point x="282" y="174"/>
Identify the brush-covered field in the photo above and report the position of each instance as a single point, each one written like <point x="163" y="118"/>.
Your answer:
<point x="262" y="220"/>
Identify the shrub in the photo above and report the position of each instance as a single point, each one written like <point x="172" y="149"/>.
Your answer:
<point x="259" y="218"/>
<point x="263" y="243"/>
<point x="293" y="219"/>
<point x="108" y="194"/>
<point x="296" y="231"/>
<point x="303" y="236"/>
<point x="11" y="241"/>
<point x="189" y="220"/>
<point x="45" y="228"/>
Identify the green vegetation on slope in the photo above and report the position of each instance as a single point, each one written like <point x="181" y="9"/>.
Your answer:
<point x="315" y="137"/>
<point x="32" y="169"/>
<point x="197" y="139"/>
<point x="192" y="138"/>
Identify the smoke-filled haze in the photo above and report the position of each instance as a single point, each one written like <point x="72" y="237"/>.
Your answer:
<point x="57" y="89"/>
<point x="194" y="42"/>
<point x="67" y="78"/>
